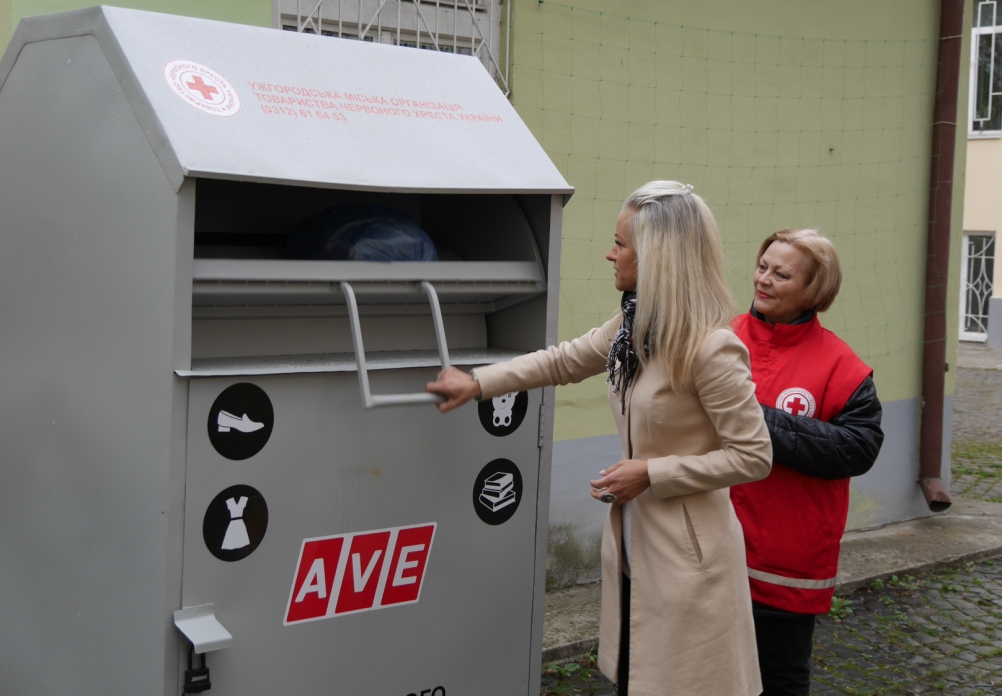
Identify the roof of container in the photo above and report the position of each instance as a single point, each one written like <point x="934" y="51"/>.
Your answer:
<point x="247" y="103"/>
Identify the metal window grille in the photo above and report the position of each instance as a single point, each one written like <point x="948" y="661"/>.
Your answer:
<point x="986" y="69"/>
<point x="466" y="27"/>
<point x="978" y="272"/>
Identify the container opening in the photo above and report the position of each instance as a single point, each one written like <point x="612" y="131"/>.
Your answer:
<point x="242" y="220"/>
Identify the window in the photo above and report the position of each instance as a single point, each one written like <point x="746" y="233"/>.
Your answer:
<point x="328" y="32"/>
<point x="986" y="70"/>
<point x="977" y="272"/>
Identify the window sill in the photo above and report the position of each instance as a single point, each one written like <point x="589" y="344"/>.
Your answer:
<point x="980" y="135"/>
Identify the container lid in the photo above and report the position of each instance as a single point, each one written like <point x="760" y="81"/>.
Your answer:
<point x="246" y="103"/>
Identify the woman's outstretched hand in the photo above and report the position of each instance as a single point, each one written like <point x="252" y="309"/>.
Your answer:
<point x="456" y="386"/>
<point x="625" y="480"/>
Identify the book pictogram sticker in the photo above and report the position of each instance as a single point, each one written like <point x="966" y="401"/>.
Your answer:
<point x="497" y="491"/>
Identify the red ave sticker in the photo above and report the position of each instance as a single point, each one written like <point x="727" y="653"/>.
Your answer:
<point x="363" y="571"/>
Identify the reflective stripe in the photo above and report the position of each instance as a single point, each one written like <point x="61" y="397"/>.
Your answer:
<point x="791" y="582"/>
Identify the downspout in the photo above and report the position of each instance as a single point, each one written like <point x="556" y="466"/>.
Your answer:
<point x="944" y="133"/>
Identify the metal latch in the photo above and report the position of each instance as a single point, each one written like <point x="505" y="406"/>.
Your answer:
<point x="200" y="625"/>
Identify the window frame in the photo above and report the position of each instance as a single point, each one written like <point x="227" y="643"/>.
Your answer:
<point x="976" y="32"/>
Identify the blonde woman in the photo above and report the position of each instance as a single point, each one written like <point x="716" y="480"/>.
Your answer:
<point x="676" y="611"/>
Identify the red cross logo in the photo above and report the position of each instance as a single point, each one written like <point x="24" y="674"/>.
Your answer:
<point x="199" y="86"/>
<point x="796" y="406"/>
<point x="797" y="401"/>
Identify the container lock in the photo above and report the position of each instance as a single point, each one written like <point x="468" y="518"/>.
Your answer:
<point x="196" y="679"/>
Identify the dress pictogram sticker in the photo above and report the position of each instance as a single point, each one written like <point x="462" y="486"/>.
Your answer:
<point x="503" y="414"/>
<point x="497" y="492"/>
<point x="240" y="421"/>
<point x="235" y="523"/>
<point x="363" y="571"/>
<point x="202" y="88"/>
<point x="797" y="401"/>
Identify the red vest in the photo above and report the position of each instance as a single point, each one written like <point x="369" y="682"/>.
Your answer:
<point x="793" y="523"/>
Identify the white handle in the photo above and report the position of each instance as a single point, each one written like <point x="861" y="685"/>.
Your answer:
<point x="368" y="399"/>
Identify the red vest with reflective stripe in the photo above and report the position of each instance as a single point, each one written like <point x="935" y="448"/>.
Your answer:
<point x="793" y="523"/>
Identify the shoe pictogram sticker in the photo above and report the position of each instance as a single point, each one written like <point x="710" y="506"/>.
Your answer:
<point x="240" y="421"/>
<point x="235" y="523"/>
<point x="497" y="491"/>
<point x="503" y="414"/>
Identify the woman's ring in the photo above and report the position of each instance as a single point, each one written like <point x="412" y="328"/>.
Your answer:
<point x="608" y="498"/>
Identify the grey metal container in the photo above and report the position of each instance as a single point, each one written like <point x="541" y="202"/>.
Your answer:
<point x="187" y="441"/>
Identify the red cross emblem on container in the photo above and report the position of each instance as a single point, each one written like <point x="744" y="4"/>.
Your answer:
<point x="797" y="401"/>
<point x="202" y="88"/>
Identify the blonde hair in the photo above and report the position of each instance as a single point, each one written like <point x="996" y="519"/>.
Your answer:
<point x="823" y="270"/>
<point x="682" y="294"/>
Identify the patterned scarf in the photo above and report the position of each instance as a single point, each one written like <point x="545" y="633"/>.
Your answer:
<point x="623" y="361"/>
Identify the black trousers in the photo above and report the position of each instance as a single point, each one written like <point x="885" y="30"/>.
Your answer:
<point x="785" y="641"/>
<point x="623" y="675"/>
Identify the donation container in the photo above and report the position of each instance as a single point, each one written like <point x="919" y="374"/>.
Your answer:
<point x="214" y="454"/>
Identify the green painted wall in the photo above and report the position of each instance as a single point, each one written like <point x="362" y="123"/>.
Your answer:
<point x="786" y="113"/>
<point x="256" y="12"/>
<point x="782" y="113"/>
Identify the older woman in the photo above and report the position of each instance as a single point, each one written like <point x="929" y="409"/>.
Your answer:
<point x="676" y="612"/>
<point x="824" y="419"/>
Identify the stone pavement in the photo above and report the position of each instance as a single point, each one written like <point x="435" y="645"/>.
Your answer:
<point x="891" y="630"/>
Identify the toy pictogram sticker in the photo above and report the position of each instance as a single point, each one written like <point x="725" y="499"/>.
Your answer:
<point x="503" y="414"/>
<point x="202" y="88"/>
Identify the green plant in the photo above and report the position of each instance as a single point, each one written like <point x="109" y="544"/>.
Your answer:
<point x="564" y="671"/>
<point x="840" y="608"/>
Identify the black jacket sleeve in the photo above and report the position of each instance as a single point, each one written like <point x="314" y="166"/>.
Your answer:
<point x="846" y="446"/>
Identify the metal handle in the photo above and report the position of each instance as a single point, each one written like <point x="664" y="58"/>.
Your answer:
<point x="375" y="401"/>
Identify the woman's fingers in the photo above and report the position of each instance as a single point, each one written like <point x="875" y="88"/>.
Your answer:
<point x="456" y="386"/>
<point x="625" y="479"/>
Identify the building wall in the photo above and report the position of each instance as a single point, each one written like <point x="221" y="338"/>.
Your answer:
<point x="255" y="12"/>
<point x="983" y="213"/>
<point x="982" y="199"/>
<point x="786" y="113"/>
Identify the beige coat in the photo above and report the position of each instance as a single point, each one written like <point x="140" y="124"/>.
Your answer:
<point x="691" y="630"/>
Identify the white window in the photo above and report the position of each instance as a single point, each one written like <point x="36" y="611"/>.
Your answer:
<point x="977" y="273"/>
<point x="986" y="70"/>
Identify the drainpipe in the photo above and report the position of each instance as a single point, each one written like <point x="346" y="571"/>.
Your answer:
<point x="944" y="134"/>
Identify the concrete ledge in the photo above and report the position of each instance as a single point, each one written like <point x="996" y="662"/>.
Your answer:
<point x="970" y="531"/>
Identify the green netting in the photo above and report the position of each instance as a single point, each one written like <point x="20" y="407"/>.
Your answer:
<point x="773" y="131"/>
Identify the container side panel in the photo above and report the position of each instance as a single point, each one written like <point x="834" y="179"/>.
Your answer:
<point x="86" y="303"/>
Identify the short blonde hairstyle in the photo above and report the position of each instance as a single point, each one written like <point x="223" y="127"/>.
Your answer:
<point x="823" y="270"/>
<point x="682" y="294"/>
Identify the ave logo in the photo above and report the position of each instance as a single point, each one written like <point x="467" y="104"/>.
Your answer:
<point x="362" y="571"/>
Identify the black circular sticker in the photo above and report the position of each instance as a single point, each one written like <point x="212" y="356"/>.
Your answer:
<point x="235" y="523"/>
<point x="497" y="491"/>
<point x="503" y="414"/>
<point x="240" y="421"/>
